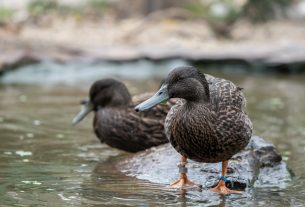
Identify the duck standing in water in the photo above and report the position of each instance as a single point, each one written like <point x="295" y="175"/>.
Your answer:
<point x="207" y="124"/>
<point x="115" y="121"/>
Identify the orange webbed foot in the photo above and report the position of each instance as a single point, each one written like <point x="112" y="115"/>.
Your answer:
<point x="184" y="182"/>
<point x="221" y="188"/>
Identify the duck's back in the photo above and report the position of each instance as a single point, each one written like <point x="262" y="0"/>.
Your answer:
<point x="224" y="93"/>
<point x="229" y="103"/>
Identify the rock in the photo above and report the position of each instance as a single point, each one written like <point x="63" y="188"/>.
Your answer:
<point x="14" y="59"/>
<point x="282" y="58"/>
<point x="259" y="165"/>
<point x="258" y="58"/>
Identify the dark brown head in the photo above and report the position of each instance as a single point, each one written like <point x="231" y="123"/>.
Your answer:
<point x="188" y="83"/>
<point x="109" y="92"/>
<point x="104" y="93"/>
<point x="182" y="82"/>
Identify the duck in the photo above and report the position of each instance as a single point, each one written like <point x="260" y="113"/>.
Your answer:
<point x="115" y="122"/>
<point x="207" y="124"/>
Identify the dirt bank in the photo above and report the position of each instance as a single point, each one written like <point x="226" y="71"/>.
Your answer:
<point x="273" y="43"/>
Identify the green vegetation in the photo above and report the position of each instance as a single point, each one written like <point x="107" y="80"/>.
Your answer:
<point x="253" y="10"/>
<point x="91" y="8"/>
<point x="221" y="15"/>
<point x="262" y="10"/>
<point x="99" y="5"/>
<point x="38" y="7"/>
<point x="5" y="15"/>
<point x="223" y="10"/>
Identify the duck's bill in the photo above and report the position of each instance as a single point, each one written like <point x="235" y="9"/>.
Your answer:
<point x="160" y="96"/>
<point x="86" y="109"/>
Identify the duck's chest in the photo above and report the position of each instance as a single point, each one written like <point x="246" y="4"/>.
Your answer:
<point x="192" y="131"/>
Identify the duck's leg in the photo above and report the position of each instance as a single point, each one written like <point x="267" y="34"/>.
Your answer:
<point x="221" y="186"/>
<point x="183" y="181"/>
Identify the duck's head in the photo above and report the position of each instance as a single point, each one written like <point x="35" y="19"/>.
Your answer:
<point x="104" y="93"/>
<point x="184" y="82"/>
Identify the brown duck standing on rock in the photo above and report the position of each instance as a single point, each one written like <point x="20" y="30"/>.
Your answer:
<point x="115" y="121"/>
<point x="207" y="124"/>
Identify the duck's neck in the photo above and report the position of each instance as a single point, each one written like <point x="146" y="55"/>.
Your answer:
<point x="120" y="100"/>
<point x="203" y="104"/>
<point x="205" y="93"/>
<point x="201" y="95"/>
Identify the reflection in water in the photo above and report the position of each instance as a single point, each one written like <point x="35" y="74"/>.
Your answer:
<point x="44" y="160"/>
<point x="183" y="199"/>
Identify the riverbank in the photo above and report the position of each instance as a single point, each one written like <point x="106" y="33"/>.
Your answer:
<point x="275" y="44"/>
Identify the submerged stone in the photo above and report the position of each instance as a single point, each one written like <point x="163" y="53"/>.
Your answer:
<point x="259" y="165"/>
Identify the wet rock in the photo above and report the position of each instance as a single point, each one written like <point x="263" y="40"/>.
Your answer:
<point x="283" y="59"/>
<point x="259" y="165"/>
<point x="14" y="59"/>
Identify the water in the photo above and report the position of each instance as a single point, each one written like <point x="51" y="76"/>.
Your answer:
<point x="45" y="161"/>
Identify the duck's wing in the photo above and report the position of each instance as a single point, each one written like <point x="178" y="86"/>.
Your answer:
<point x="224" y="93"/>
<point x="129" y="130"/>
<point x="159" y="111"/>
<point x="229" y="103"/>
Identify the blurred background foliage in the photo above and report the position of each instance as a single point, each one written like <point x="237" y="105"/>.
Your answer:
<point x="39" y="8"/>
<point x="220" y="15"/>
<point x="255" y="11"/>
<point x="261" y="11"/>
<point x="5" y="15"/>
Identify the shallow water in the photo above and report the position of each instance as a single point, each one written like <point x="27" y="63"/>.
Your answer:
<point x="47" y="162"/>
